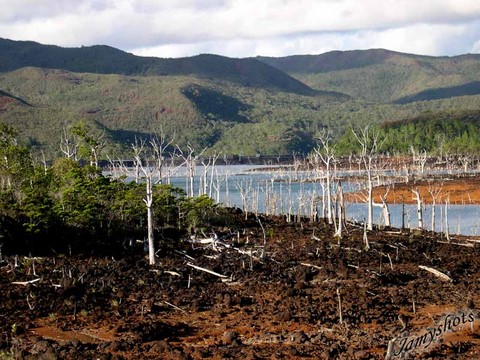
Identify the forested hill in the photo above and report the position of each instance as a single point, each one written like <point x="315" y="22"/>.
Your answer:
<point x="101" y="59"/>
<point x="385" y="76"/>
<point x="230" y="106"/>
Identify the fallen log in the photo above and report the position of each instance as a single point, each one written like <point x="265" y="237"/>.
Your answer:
<point x="311" y="265"/>
<point x="207" y="271"/>
<point x="25" y="283"/>
<point x="437" y="273"/>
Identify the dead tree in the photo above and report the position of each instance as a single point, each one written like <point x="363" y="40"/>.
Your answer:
<point x="384" y="207"/>
<point x="434" y="192"/>
<point x="68" y="145"/>
<point x="369" y="141"/>
<point x="447" y="230"/>
<point x="340" y="211"/>
<point x="419" y="158"/>
<point x="159" y="144"/>
<point x="245" y="191"/>
<point x="465" y="160"/>
<point x="326" y="153"/>
<point x="190" y="159"/>
<point x="141" y="161"/>
<point x="90" y="142"/>
<point x="417" y="197"/>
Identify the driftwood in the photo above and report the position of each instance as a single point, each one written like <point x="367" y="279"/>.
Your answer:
<point x="207" y="271"/>
<point x="311" y="265"/>
<point x="471" y="245"/>
<point x="25" y="283"/>
<point x="184" y="254"/>
<point x="315" y="237"/>
<point x="437" y="273"/>
<point x="175" y="307"/>
<point x="174" y="273"/>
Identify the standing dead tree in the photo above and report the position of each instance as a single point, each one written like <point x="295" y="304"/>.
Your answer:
<point x="325" y="151"/>
<point x="340" y="209"/>
<point x="148" y="163"/>
<point x="417" y="197"/>
<point x="68" y="145"/>
<point x="384" y="207"/>
<point x="370" y="143"/>
<point x="159" y="145"/>
<point x="245" y="190"/>
<point x="141" y="162"/>
<point x="190" y="160"/>
<point x="434" y="191"/>
<point x="89" y="141"/>
<point x="466" y="160"/>
<point x="419" y="159"/>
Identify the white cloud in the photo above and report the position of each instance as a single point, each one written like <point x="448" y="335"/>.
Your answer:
<point x="247" y="27"/>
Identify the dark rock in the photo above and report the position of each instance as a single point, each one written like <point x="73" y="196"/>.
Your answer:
<point x="229" y="337"/>
<point x="298" y="337"/>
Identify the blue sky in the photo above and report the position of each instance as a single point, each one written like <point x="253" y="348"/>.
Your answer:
<point x="241" y="28"/>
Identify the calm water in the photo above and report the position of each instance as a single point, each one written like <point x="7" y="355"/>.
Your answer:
<point x="281" y="192"/>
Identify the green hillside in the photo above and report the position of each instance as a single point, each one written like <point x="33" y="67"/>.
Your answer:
<point x="39" y="102"/>
<point x="385" y="76"/>
<point x="233" y="106"/>
<point x="440" y="133"/>
<point x="223" y="116"/>
<point x="107" y="60"/>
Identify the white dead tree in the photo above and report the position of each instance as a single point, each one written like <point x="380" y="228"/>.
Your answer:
<point x="434" y="191"/>
<point x="89" y="141"/>
<point x="384" y="206"/>
<point x="245" y="190"/>
<point x="340" y="209"/>
<point x="68" y="145"/>
<point x="190" y="159"/>
<point x="465" y="160"/>
<point x="419" y="159"/>
<point x="370" y="143"/>
<point x="447" y="230"/>
<point x="160" y="144"/>
<point x="417" y="197"/>
<point x="213" y="174"/>
<point x="141" y="162"/>
<point x="96" y="145"/>
<point x="325" y="152"/>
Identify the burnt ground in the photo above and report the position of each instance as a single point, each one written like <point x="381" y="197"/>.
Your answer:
<point x="284" y="306"/>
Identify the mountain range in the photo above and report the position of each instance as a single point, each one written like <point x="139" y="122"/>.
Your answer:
<point x="260" y="105"/>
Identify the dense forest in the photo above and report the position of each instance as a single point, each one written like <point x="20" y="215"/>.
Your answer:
<point x="435" y="133"/>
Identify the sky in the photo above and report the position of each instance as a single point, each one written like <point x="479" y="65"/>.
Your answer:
<point x="244" y="28"/>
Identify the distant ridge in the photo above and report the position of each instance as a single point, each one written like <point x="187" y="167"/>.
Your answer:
<point x="383" y="75"/>
<point x="103" y="59"/>
<point x="336" y="60"/>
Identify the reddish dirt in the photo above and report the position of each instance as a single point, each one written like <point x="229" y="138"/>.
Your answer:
<point x="283" y="307"/>
<point x="5" y="101"/>
<point x="459" y="190"/>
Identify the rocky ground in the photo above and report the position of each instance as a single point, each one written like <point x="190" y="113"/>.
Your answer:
<point x="312" y="296"/>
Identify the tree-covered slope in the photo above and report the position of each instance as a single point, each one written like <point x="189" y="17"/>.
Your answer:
<point x="232" y="106"/>
<point x="40" y="102"/>
<point x="223" y="116"/>
<point x="107" y="60"/>
<point x="385" y="76"/>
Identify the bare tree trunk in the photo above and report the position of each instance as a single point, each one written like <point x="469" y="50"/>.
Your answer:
<point x="417" y="197"/>
<point x="340" y="208"/>
<point x="149" y="202"/>
<point x="447" y="231"/>
<point x="369" y="202"/>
